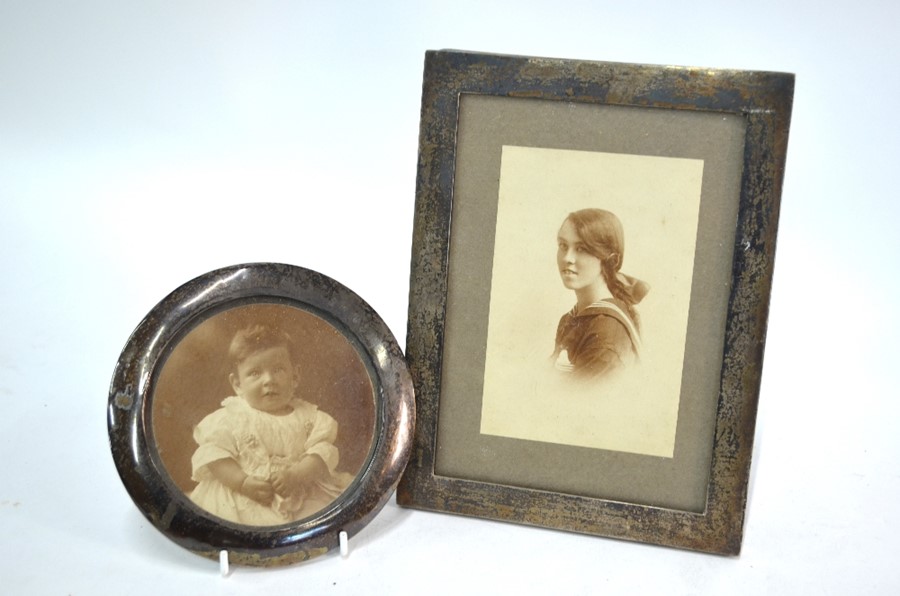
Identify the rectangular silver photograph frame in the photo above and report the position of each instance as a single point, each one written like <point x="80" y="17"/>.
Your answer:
<point x="687" y="486"/>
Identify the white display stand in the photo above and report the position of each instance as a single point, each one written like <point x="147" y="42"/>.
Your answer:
<point x="223" y="563"/>
<point x="343" y="540"/>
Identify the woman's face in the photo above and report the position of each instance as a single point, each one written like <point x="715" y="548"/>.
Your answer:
<point x="577" y="267"/>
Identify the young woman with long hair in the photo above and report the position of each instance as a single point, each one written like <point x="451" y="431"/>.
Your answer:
<point x="601" y="334"/>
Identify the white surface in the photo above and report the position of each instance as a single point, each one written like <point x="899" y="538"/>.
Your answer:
<point x="144" y="143"/>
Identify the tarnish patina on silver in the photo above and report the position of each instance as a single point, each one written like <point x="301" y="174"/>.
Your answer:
<point x="167" y="508"/>
<point x="764" y="100"/>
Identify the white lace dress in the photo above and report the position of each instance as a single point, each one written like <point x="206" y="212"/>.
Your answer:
<point x="263" y="443"/>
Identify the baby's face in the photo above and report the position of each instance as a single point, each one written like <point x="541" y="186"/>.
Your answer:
<point x="266" y="379"/>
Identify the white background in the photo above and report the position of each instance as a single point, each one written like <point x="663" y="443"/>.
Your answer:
<point x="145" y="143"/>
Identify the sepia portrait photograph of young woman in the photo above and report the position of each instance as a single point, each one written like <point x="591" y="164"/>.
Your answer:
<point x="592" y="272"/>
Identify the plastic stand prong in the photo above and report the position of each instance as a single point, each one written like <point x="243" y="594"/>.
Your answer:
<point x="223" y="563"/>
<point x="344" y="542"/>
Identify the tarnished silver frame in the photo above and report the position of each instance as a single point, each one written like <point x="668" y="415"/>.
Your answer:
<point x="130" y="405"/>
<point x="763" y="100"/>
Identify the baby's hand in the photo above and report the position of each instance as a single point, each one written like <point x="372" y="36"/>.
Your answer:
<point x="292" y="479"/>
<point x="287" y="481"/>
<point x="258" y="490"/>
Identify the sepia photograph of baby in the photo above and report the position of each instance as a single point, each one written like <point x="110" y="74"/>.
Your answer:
<point x="263" y="414"/>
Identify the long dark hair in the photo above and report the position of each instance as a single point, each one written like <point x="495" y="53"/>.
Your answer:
<point x="602" y="235"/>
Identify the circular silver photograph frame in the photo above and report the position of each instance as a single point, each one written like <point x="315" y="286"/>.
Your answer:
<point x="351" y="394"/>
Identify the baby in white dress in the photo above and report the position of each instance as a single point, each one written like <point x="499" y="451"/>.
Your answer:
<point x="265" y="457"/>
